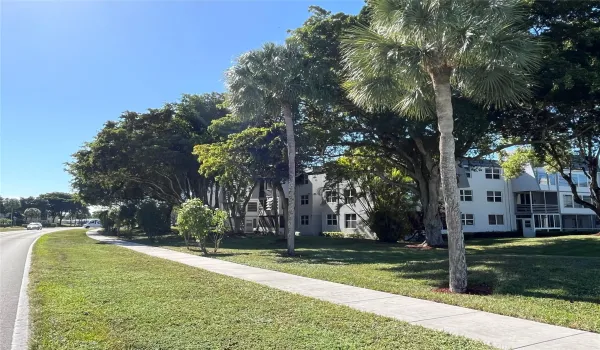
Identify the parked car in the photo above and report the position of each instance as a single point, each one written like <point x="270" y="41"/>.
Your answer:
<point x="94" y="223"/>
<point x="34" y="226"/>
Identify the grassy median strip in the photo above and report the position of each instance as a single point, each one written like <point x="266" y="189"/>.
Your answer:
<point x="551" y="280"/>
<point x="87" y="295"/>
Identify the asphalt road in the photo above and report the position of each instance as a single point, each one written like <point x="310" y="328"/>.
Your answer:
<point x="14" y="246"/>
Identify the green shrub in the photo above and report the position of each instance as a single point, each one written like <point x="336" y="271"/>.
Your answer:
<point x="5" y="222"/>
<point x="334" y="234"/>
<point x="106" y="221"/>
<point x="389" y="224"/>
<point x="152" y="218"/>
<point x="197" y="221"/>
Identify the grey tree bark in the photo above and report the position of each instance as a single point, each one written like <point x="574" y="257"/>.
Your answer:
<point x="275" y="208"/>
<point x="291" y="148"/>
<point x="456" y="244"/>
<point x="284" y="205"/>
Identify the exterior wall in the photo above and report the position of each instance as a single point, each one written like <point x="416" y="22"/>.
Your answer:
<point x="534" y="180"/>
<point x="480" y="208"/>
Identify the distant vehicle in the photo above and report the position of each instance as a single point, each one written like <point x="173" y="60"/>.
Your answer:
<point x="34" y="226"/>
<point x="94" y="223"/>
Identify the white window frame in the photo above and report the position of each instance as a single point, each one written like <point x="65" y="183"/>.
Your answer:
<point x="466" y="195"/>
<point x="304" y="199"/>
<point x="304" y="220"/>
<point x="544" y="221"/>
<point x="248" y="210"/>
<point x="351" y="221"/>
<point x="467" y="171"/>
<point x="495" y="217"/>
<point x="332" y="220"/>
<point x="350" y="196"/>
<point x="568" y="201"/>
<point x="304" y="179"/>
<point x="493" y="173"/>
<point x="467" y="219"/>
<point x="494" y="196"/>
<point x="331" y="196"/>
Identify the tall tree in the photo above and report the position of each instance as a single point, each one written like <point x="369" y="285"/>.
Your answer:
<point x="561" y="122"/>
<point x="412" y="56"/>
<point x="387" y="136"/>
<point x="59" y="204"/>
<point x="10" y="205"/>
<point x="148" y="154"/>
<point x="271" y="82"/>
<point x="32" y="213"/>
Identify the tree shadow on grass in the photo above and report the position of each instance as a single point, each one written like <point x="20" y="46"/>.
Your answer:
<point x="507" y="269"/>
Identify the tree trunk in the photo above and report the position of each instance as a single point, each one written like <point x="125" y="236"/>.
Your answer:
<point x="284" y="206"/>
<point x="456" y="244"/>
<point x="216" y="195"/>
<point x="291" y="148"/>
<point x="275" y="208"/>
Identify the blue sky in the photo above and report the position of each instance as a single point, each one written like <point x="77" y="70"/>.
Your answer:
<point x="67" y="67"/>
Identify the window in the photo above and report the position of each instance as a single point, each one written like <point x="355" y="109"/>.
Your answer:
<point x="331" y="220"/>
<point x="303" y="220"/>
<point x="496" y="219"/>
<point x="562" y="182"/>
<point x="542" y="177"/>
<point x="587" y="199"/>
<point x="254" y="223"/>
<point x="494" y="196"/>
<point x="580" y="180"/>
<point x="492" y="173"/>
<point x="552" y="179"/>
<point x="350" y="196"/>
<point x="331" y="196"/>
<point x="304" y="199"/>
<point x="546" y="220"/>
<point x="350" y="220"/>
<point x="467" y="219"/>
<point x="304" y="179"/>
<point x="466" y="195"/>
<point x="568" y="201"/>
<point x="252" y="207"/>
<point x="467" y="171"/>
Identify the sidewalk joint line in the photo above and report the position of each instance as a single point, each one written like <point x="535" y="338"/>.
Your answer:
<point x="546" y="341"/>
<point x="435" y="318"/>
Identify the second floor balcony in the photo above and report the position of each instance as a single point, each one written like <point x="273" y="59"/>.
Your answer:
<point x="537" y="203"/>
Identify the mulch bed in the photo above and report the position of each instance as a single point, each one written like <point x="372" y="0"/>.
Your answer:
<point x="472" y="290"/>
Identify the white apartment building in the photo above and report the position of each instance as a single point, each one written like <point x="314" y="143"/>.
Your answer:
<point x="535" y="201"/>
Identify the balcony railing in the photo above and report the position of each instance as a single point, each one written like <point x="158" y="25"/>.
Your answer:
<point x="537" y="208"/>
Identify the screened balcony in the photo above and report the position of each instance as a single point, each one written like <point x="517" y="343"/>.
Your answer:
<point x="537" y="203"/>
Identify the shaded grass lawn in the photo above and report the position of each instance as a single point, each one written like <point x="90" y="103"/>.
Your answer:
<point x="88" y="295"/>
<point x="552" y="280"/>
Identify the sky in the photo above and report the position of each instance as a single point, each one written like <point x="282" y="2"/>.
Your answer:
<point x="66" y="67"/>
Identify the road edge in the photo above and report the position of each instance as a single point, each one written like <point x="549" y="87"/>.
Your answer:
<point x="20" y="337"/>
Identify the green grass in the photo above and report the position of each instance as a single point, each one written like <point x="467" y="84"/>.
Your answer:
<point x="88" y="295"/>
<point x="551" y="280"/>
<point x="12" y="228"/>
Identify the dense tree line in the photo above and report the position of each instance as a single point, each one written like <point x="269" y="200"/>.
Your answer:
<point x="388" y="101"/>
<point x="53" y="206"/>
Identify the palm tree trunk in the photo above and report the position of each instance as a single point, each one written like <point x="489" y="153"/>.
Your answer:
<point x="291" y="148"/>
<point x="456" y="244"/>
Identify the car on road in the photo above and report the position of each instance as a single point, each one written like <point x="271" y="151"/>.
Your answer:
<point x="34" y="226"/>
<point x="94" y="223"/>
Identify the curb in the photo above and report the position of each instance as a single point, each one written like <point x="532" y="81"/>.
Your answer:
<point x="20" y="335"/>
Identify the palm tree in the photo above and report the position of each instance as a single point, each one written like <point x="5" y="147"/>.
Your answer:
<point x="417" y="53"/>
<point x="270" y="82"/>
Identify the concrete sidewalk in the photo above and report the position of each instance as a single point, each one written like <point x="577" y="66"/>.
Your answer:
<point x="500" y="331"/>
